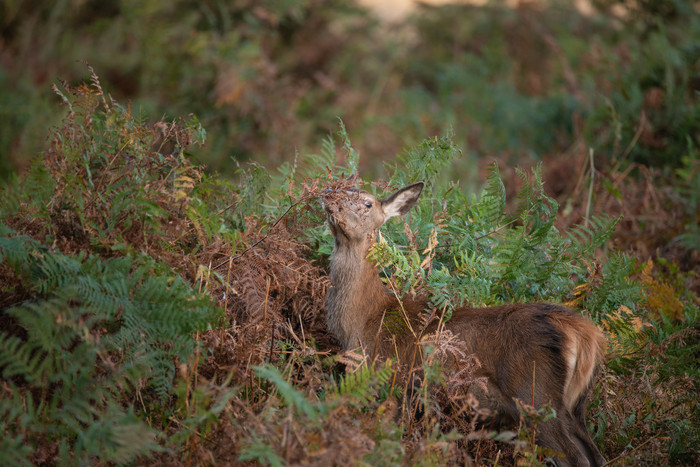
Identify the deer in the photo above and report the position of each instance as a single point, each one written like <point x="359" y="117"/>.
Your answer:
<point x="538" y="352"/>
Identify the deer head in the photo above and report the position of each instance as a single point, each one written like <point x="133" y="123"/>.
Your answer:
<point x="355" y="215"/>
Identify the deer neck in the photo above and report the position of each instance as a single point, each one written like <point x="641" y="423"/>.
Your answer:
<point x="357" y="297"/>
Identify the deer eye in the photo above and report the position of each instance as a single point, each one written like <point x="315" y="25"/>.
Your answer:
<point x="368" y="204"/>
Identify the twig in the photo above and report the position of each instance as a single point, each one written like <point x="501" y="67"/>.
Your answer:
<point x="227" y="208"/>
<point x="376" y="337"/>
<point x="590" y="188"/>
<point x="581" y="177"/>
<point x="264" y="236"/>
<point x="567" y="70"/>
<point x="534" y="423"/>
<point x="626" y="454"/>
<point x="496" y="230"/>
<point x="633" y="142"/>
<point x="409" y="376"/>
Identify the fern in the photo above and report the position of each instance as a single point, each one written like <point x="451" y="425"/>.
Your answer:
<point x="491" y="208"/>
<point x="585" y="239"/>
<point x="471" y="278"/>
<point x="614" y="287"/>
<point x="360" y="388"/>
<point x="93" y="331"/>
<point x="405" y="268"/>
<point x="258" y="450"/>
<point x="291" y="396"/>
<point x="425" y="162"/>
<point x="440" y="282"/>
<point x="352" y="157"/>
<point x="15" y="418"/>
<point x="484" y="254"/>
<point x="536" y="210"/>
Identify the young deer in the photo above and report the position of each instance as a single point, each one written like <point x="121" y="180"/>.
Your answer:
<point x="563" y="347"/>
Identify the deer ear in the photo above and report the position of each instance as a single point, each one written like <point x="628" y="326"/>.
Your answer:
<point x="402" y="201"/>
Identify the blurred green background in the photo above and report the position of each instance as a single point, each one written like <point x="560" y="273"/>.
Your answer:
<point x="512" y="80"/>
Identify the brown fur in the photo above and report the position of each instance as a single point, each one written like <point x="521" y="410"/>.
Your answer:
<point x="564" y="347"/>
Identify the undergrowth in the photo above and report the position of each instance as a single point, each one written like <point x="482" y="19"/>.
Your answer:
<point x="155" y="313"/>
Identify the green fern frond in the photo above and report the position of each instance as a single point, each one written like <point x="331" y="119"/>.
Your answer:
<point x="490" y="210"/>
<point x="536" y="210"/>
<point x="328" y="152"/>
<point x="360" y="388"/>
<point x="18" y="359"/>
<point x="405" y="270"/>
<point x="472" y="280"/>
<point x="585" y="239"/>
<point x="260" y="452"/>
<point x="616" y="287"/>
<point x="426" y="161"/>
<point x="14" y="450"/>
<point x="291" y="396"/>
<point x="448" y="291"/>
<point x="16" y="250"/>
<point x="352" y="157"/>
<point x="93" y="331"/>
<point x="123" y="438"/>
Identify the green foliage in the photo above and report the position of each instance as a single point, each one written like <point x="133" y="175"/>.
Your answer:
<point x="260" y="452"/>
<point x="361" y="387"/>
<point x="425" y="161"/>
<point x="615" y="287"/>
<point x="387" y="452"/>
<point x="689" y="189"/>
<point x="652" y="374"/>
<point x="87" y="334"/>
<point x="93" y="332"/>
<point x="352" y="157"/>
<point x="358" y="388"/>
<point x="490" y="209"/>
<point x="655" y="89"/>
<point x="651" y="386"/>
<point x="113" y="177"/>
<point x="200" y="407"/>
<point x="476" y="252"/>
<point x="291" y="396"/>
